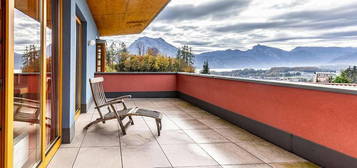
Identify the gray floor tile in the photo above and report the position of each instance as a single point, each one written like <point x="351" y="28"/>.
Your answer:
<point x="187" y="155"/>
<point x="103" y="157"/>
<point x="229" y="153"/>
<point x="64" y="158"/>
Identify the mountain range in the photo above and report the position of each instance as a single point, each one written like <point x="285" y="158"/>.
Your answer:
<point x="260" y="56"/>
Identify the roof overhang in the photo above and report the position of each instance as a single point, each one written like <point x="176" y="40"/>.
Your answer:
<point x="121" y="17"/>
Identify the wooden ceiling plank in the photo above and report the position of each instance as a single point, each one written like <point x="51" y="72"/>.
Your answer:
<point x="119" y="17"/>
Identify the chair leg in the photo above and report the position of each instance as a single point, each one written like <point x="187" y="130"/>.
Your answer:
<point x="93" y="122"/>
<point x="122" y="127"/>
<point x="131" y="120"/>
<point x="158" y="126"/>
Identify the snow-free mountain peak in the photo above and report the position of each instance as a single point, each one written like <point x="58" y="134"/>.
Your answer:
<point x="142" y="44"/>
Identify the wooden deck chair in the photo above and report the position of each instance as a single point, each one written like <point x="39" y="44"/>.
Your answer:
<point x="28" y="110"/>
<point x="114" y="112"/>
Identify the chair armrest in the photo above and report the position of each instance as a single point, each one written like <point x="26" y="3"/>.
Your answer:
<point x="109" y="103"/>
<point x="26" y="105"/>
<point x="27" y="100"/>
<point x="120" y="98"/>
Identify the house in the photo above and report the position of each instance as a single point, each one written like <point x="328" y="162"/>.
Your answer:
<point x="217" y="121"/>
<point x="55" y="43"/>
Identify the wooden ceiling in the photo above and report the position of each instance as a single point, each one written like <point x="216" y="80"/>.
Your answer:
<point x="120" y="17"/>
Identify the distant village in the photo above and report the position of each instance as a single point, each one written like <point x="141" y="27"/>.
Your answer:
<point x="294" y="74"/>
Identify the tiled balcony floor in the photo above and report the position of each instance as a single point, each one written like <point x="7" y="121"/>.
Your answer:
<point x="190" y="137"/>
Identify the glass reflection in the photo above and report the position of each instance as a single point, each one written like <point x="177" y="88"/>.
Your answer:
<point x="27" y="142"/>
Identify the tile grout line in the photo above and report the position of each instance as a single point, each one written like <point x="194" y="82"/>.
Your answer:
<point x="162" y="150"/>
<point x="80" y="146"/>
<point x="216" y="143"/>
<point x="242" y="148"/>
<point x="120" y="145"/>
<point x="194" y="142"/>
<point x="223" y="137"/>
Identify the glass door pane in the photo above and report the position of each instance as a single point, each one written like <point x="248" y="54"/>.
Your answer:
<point x="27" y="134"/>
<point x="52" y="60"/>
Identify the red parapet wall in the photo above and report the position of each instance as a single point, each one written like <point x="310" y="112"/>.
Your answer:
<point x="326" y="118"/>
<point x="138" y="82"/>
<point x="30" y="82"/>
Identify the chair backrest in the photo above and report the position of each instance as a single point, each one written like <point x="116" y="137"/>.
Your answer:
<point x="96" y="85"/>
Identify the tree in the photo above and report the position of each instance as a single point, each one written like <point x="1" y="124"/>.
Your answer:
<point x="185" y="58"/>
<point x="123" y="55"/>
<point x="112" y="55"/>
<point x="31" y="59"/>
<point x="205" y="69"/>
<point x="152" y="51"/>
<point x="141" y="48"/>
<point x="347" y="76"/>
<point x="123" y="48"/>
<point x="341" y="79"/>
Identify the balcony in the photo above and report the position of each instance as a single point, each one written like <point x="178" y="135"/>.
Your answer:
<point x="209" y="121"/>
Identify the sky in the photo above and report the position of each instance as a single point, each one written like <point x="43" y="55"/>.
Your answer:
<point x="208" y="25"/>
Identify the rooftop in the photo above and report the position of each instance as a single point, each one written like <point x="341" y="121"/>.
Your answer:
<point x="191" y="137"/>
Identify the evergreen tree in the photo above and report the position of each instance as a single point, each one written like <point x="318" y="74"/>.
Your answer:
<point x="123" y="48"/>
<point x="31" y="59"/>
<point x="205" y="69"/>
<point x="347" y="76"/>
<point x="185" y="58"/>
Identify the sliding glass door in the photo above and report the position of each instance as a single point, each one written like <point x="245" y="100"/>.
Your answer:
<point x="36" y="79"/>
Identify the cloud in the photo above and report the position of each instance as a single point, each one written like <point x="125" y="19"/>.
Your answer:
<point x="244" y="27"/>
<point x="306" y="20"/>
<point x="213" y="10"/>
<point x="325" y="36"/>
<point x="188" y="27"/>
<point x="24" y="41"/>
<point x="193" y="43"/>
<point x="341" y="34"/>
<point x="289" y="4"/>
<point x="160" y="28"/>
<point x="347" y="12"/>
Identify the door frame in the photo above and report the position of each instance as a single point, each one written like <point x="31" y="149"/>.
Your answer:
<point x="79" y="62"/>
<point x="8" y="85"/>
<point x="2" y="79"/>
